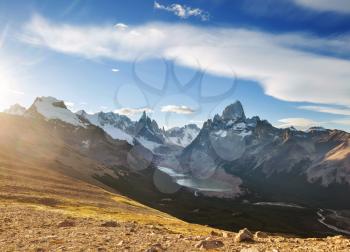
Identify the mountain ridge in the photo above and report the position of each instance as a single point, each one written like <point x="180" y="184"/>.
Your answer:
<point x="223" y="146"/>
<point x="237" y="103"/>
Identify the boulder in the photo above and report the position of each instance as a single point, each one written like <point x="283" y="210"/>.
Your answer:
<point x="244" y="235"/>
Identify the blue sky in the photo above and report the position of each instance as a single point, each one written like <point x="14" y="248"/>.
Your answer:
<point x="288" y="61"/>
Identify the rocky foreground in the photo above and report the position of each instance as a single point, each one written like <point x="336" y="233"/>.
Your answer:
<point x="25" y="228"/>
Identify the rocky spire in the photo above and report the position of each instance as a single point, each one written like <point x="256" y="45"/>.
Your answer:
<point x="144" y="116"/>
<point x="234" y="112"/>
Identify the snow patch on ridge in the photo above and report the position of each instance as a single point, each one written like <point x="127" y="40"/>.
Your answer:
<point x="47" y="107"/>
<point x="148" y="144"/>
<point x="117" y="133"/>
<point x="108" y="122"/>
<point x="182" y="136"/>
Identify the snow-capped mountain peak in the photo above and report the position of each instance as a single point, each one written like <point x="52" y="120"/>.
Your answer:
<point x="117" y="126"/>
<point x="182" y="136"/>
<point x="53" y="109"/>
<point x="15" y="109"/>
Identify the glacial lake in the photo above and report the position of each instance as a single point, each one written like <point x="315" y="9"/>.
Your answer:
<point x="205" y="185"/>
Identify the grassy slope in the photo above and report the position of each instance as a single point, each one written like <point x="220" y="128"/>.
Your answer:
<point x="39" y="170"/>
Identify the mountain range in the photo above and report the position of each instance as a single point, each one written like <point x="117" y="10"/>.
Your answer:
<point x="231" y="162"/>
<point x="305" y="166"/>
<point x="146" y="131"/>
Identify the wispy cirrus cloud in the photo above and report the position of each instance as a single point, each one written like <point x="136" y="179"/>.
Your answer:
<point x="132" y="111"/>
<point x="183" y="11"/>
<point x="177" y="109"/>
<point x="341" y="6"/>
<point x="274" y="61"/>
<point x="328" y="109"/>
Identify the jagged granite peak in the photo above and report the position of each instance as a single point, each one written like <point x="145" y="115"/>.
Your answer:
<point x="234" y="112"/>
<point x="15" y="109"/>
<point x="148" y="129"/>
<point x="50" y="108"/>
<point x="144" y="116"/>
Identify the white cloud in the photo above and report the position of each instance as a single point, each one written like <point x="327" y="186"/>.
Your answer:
<point x="183" y="11"/>
<point x="342" y="6"/>
<point x="300" y="123"/>
<point x="115" y="70"/>
<point x="177" y="109"/>
<point x="132" y="111"/>
<point x="327" y="109"/>
<point x="121" y="26"/>
<point x="283" y="71"/>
